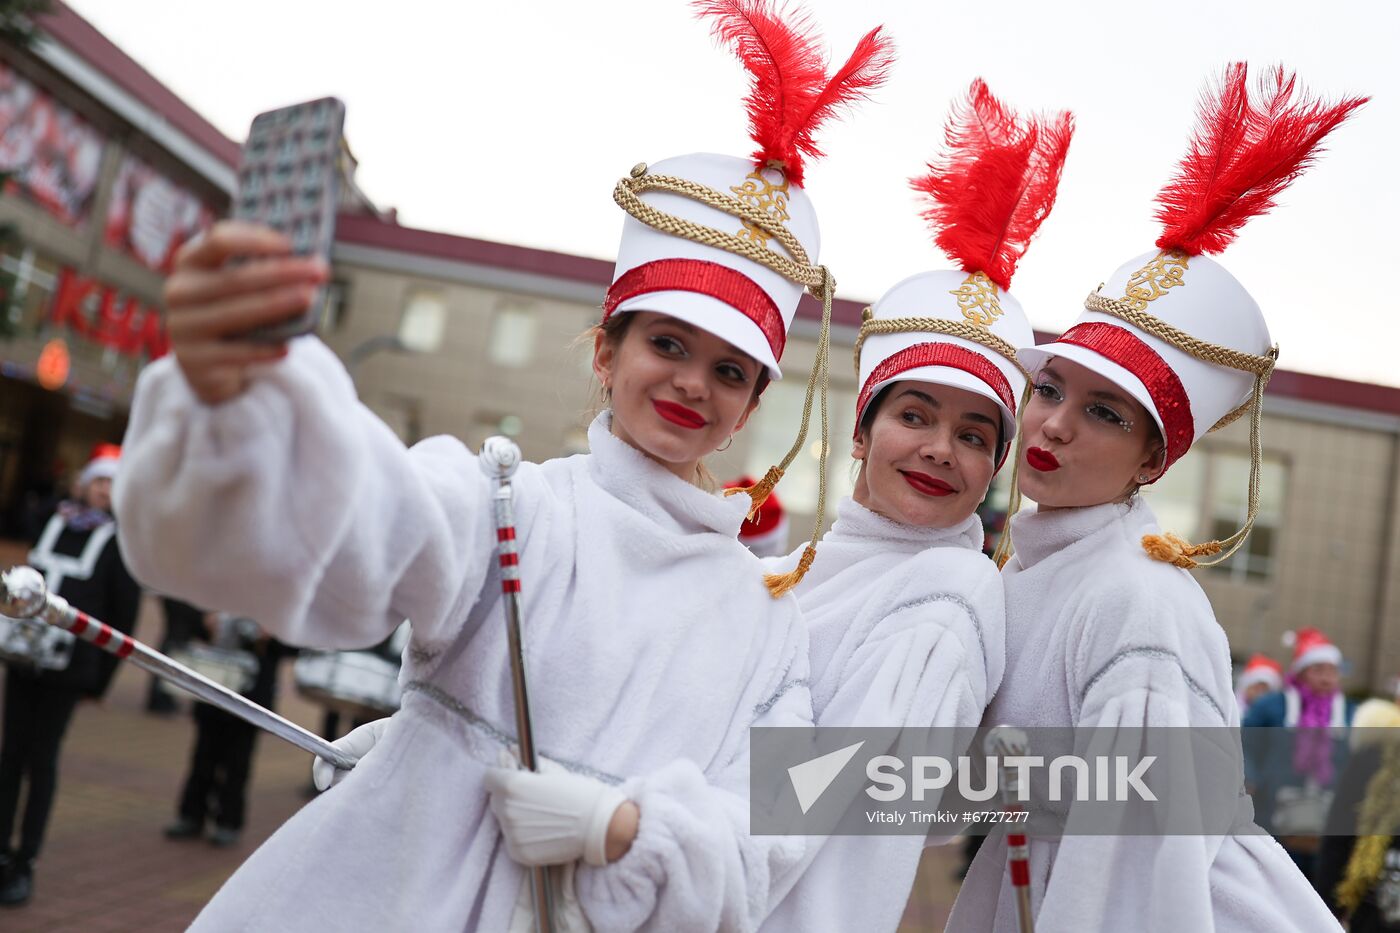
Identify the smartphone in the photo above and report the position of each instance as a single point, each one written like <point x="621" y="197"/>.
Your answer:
<point x="289" y="179"/>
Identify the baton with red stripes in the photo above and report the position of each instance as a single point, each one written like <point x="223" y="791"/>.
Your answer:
<point x="23" y="595"/>
<point x="1004" y="742"/>
<point x="499" y="459"/>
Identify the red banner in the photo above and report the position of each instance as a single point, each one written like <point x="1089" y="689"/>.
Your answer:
<point x="149" y="217"/>
<point x="54" y="156"/>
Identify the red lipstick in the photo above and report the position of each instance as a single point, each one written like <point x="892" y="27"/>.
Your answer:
<point x="1042" y="460"/>
<point x="679" y="414"/>
<point x="928" y="485"/>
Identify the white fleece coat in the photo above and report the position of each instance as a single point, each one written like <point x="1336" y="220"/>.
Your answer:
<point x="907" y="628"/>
<point x="651" y="646"/>
<point x="1099" y="634"/>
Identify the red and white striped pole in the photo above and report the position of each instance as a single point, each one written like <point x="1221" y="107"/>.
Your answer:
<point x="1004" y="742"/>
<point x="499" y="459"/>
<point x="23" y="595"/>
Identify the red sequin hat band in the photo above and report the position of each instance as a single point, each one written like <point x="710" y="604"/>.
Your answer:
<point x="1164" y="387"/>
<point x="705" y="278"/>
<point x="938" y="354"/>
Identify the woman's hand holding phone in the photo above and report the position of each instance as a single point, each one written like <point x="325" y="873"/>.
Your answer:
<point x="212" y="305"/>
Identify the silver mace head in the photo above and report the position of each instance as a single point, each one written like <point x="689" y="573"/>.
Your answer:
<point x="1006" y="741"/>
<point x="22" y="593"/>
<point x="499" y="457"/>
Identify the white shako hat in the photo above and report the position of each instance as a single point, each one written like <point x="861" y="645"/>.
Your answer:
<point x="1172" y="327"/>
<point x="733" y="297"/>
<point x="989" y="194"/>
<point x="688" y="249"/>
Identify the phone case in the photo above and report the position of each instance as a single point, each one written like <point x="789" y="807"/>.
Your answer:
<point x="289" y="180"/>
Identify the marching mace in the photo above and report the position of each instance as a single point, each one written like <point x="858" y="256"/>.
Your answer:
<point x="23" y="595"/>
<point x="1004" y="742"/>
<point x="499" y="459"/>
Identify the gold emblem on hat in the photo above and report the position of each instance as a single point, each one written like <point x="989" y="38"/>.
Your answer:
<point x="977" y="299"/>
<point x="1151" y="282"/>
<point x="767" y="198"/>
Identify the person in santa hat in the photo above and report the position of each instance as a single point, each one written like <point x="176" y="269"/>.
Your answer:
<point x="906" y="613"/>
<point x="78" y="553"/>
<point x="651" y="641"/>
<point x="1291" y="774"/>
<point x="1261" y="675"/>
<point x="1106" y="628"/>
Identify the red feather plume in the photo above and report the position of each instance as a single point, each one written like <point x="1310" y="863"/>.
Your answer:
<point x="791" y="95"/>
<point x="1246" y="150"/>
<point x="995" y="184"/>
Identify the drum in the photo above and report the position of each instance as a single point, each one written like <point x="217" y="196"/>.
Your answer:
<point x="359" y="684"/>
<point x="227" y="667"/>
<point x="25" y="641"/>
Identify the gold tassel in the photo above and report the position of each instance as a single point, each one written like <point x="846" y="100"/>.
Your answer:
<point x="817" y="384"/>
<point x="780" y="584"/>
<point x="1004" y="548"/>
<point x="759" y="491"/>
<point x="1173" y="549"/>
<point x="1176" y="550"/>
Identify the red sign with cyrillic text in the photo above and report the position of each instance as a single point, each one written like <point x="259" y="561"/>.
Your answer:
<point x="97" y="311"/>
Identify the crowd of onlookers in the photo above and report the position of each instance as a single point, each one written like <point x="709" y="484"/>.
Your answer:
<point x="1324" y="775"/>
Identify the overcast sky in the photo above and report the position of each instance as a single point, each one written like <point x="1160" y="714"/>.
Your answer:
<point x="512" y="121"/>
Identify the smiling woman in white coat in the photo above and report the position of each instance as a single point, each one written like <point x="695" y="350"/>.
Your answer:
<point x="259" y="484"/>
<point x="1105" y="625"/>
<point x="905" y="613"/>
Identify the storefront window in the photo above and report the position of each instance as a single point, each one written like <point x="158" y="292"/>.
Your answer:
<point x="513" y="334"/>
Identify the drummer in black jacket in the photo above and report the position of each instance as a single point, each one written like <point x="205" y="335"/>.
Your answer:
<point x="78" y="554"/>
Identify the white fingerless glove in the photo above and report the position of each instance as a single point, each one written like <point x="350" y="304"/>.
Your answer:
<point x="554" y="817"/>
<point x="357" y="742"/>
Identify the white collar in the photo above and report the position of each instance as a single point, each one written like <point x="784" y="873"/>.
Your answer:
<point x="1037" y="535"/>
<point x="857" y="525"/>
<point x="635" y="479"/>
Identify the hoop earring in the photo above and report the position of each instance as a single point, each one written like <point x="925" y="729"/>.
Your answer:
<point x="726" y="446"/>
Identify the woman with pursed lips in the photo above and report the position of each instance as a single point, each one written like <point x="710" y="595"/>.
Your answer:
<point x="1106" y="628"/>
<point x="905" y="612"/>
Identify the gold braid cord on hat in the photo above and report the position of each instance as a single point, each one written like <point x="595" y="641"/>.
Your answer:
<point x="1171" y="548"/>
<point x="796" y="267"/>
<point x="936" y="325"/>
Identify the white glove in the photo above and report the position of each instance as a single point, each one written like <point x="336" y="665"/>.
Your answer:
<point x="357" y="742"/>
<point x="554" y="817"/>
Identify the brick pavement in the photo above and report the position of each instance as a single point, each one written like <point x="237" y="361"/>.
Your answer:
<point x="106" y="867"/>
